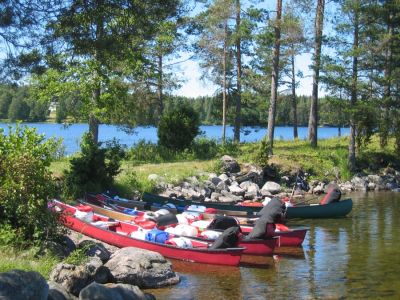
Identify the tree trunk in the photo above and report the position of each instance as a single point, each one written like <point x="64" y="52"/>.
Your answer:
<point x="274" y="77"/>
<point x="353" y="97"/>
<point x="224" y="96"/>
<point x="238" y="118"/>
<point x="384" y="130"/>
<point x="160" y="86"/>
<point x="93" y="121"/>
<point x="313" y="120"/>
<point x="294" y="100"/>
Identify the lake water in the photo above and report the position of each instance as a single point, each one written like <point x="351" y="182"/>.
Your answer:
<point x="72" y="134"/>
<point x="356" y="257"/>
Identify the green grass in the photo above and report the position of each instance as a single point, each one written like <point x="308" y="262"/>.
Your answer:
<point x="26" y="260"/>
<point x="327" y="161"/>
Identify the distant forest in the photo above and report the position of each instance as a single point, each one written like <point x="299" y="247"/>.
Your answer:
<point x="17" y="105"/>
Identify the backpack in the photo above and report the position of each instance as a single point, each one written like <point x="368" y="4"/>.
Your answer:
<point x="223" y="222"/>
<point x="228" y="239"/>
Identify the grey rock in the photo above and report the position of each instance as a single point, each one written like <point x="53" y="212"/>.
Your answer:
<point x="112" y="291"/>
<point x="229" y="164"/>
<point x="347" y="186"/>
<point x="216" y="180"/>
<point x="97" y="270"/>
<point x="359" y="183"/>
<point x="221" y="187"/>
<point x="215" y="196"/>
<point x="186" y="185"/>
<point x="371" y="186"/>
<point x="146" y="269"/>
<point x="245" y="184"/>
<point x="74" y="278"/>
<point x="375" y="179"/>
<point x="225" y="178"/>
<point x="272" y="187"/>
<point x="94" y="249"/>
<point x="58" y="292"/>
<point x="265" y="193"/>
<point x="319" y="189"/>
<point x="236" y="190"/>
<point x="231" y="196"/>
<point x="225" y="199"/>
<point x="22" y="285"/>
<point x="206" y="192"/>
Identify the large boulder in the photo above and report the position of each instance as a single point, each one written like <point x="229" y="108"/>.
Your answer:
<point x="251" y="173"/>
<point x="272" y="187"/>
<point x="22" y="285"/>
<point x="360" y="183"/>
<point x="146" y="269"/>
<point x="236" y="190"/>
<point x="114" y="292"/>
<point x="58" y="292"/>
<point x="74" y="278"/>
<point x="229" y="164"/>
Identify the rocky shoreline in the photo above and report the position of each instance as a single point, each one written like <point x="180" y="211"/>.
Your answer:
<point x="248" y="182"/>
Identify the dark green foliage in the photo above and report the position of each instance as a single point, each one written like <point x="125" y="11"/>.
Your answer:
<point x="94" y="169"/>
<point x="201" y="148"/>
<point x="178" y="128"/>
<point x="26" y="185"/>
<point x="18" y="109"/>
<point x="261" y="154"/>
<point x="6" y="95"/>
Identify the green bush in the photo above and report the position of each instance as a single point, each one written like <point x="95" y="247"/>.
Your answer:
<point x="178" y="128"/>
<point x="94" y="170"/>
<point x="26" y="185"/>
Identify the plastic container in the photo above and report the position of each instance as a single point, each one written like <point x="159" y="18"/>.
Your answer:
<point x="186" y="230"/>
<point x="180" y="242"/>
<point x="139" y="234"/>
<point x="210" y="234"/>
<point x="198" y="208"/>
<point x="157" y="236"/>
<point x="201" y="225"/>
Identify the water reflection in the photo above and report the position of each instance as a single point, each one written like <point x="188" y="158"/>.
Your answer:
<point x="356" y="257"/>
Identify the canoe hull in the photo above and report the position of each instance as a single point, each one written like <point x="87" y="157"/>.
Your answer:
<point x="332" y="210"/>
<point x="287" y="238"/>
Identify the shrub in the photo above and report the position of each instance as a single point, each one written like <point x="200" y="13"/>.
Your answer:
<point x="26" y="185"/>
<point x="94" y="169"/>
<point x="178" y="128"/>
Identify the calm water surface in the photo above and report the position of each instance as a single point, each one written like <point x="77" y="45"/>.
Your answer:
<point x="357" y="257"/>
<point x="72" y="134"/>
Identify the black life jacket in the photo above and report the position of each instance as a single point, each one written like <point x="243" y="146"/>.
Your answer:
<point x="223" y="222"/>
<point x="228" y="239"/>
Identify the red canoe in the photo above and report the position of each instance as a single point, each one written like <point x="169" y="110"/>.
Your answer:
<point x="252" y="247"/>
<point x="118" y="234"/>
<point x="287" y="238"/>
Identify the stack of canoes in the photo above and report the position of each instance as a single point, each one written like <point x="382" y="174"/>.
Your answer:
<point x="284" y="237"/>
<point x="123" y="234"/>
<point x="122" y="222"/>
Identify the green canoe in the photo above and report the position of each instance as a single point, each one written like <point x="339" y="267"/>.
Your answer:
<point x="332" y="210"/>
